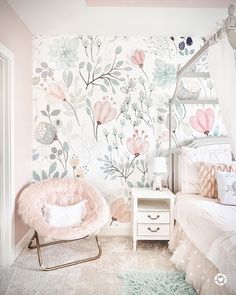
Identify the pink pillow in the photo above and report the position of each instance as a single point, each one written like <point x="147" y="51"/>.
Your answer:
<point x="207" y="178"/>
<point x="190" y="157"/>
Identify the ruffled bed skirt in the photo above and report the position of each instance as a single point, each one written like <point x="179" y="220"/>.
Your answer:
<point x="200" y="272"/>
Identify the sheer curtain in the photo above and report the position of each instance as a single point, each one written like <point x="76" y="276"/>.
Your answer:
<point x="222" y="69"/>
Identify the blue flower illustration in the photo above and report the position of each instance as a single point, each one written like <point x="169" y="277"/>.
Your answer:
<point x="64" y="53"/>
<point x="164" y="74"/>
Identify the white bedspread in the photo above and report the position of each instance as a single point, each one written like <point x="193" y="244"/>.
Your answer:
<point x="212" y="229"/>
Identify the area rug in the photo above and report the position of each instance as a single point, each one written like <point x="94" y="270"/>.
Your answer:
<point x="155" y="283"/>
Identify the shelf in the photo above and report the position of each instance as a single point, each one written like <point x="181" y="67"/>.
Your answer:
<point x="153" y="205"/>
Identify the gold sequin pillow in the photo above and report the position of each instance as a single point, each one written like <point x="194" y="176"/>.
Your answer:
<point x="207" y="179"/>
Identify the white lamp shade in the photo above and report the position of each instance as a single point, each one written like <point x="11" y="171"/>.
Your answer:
<point x="158" y="165"/>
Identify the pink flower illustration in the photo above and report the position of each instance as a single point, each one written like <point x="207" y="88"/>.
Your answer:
<point x="138" y="145"/>
<point x="103" y="113"/>
<point x="55" y="93"/>
<point x="203" y="121"/>
<point x="138" y="58"/>
<point x="120" y="211"/>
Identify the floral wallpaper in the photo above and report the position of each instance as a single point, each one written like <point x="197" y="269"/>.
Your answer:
<point x="101" y="109"/>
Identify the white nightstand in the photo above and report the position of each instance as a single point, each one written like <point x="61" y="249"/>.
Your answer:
<point x="152" y="214"/>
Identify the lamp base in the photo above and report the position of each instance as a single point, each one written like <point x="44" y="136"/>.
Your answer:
<point x="156" y="185"/>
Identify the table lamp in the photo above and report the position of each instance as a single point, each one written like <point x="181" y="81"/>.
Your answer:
<point x="157" y="167"/>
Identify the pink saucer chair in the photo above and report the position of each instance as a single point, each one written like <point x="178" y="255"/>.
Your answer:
<point x="62" y="193"/>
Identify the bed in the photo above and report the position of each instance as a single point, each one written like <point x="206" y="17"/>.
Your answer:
<point x="204" y="238"/>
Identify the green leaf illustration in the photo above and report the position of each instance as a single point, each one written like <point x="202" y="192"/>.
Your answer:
<point x="56" y="175"/>
<point x="128" y="69"/>
<point x="119" y="63"/>
<point x="114" y="81"/>
<point x="116" y="73"/>
<point x="118" y="50"/>
<point x="129" y="184"/>
<point x="106" y="82"/>
<point x="44" y="113"/>
<point x="81" y="65"/>
<point x="44" y="175"/>
<point x="180" y="109"/>
<point x="89" y="67"/>
<point x="65" y="147"/>
<point x="140" y="184"/>
<point x="36" y="177"/>
<point x="64" y="76"/>
<point x="64" y="174"/>
<point x="88" y="111"/>
<point x="69" y="79"/>
<point x="88" y="102"/>
<point x="103" y="88"/>
<point x="35" y="157"/>
<point x="55" y="112"/>
<point x="52" y="167"/>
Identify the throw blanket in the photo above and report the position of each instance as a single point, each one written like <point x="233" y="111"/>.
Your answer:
<point x="212" y="229"/>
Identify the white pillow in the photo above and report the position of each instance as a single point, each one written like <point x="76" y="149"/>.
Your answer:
<point x="189" y="170"/>
<point x="64" y="216"/>
<point x="226" y="183"/>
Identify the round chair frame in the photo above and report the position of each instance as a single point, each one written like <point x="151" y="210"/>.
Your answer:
<point x="38" y="246"/>
<point x="62" y="192"/>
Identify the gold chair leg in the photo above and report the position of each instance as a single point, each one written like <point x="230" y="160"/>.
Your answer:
<point x="48" y="268"/>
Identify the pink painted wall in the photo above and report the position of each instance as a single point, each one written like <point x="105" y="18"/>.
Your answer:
<point x="17" y="38"/>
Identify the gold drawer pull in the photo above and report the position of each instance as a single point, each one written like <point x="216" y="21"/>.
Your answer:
<point x="153" y="218"/>
<point x="153" y="230"/>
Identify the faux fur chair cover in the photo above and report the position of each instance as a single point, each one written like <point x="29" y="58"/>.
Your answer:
<point x="63" y="192"/>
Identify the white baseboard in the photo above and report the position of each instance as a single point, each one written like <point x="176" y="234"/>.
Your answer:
<point x="115" y="231"/>
<point x="23" y="242"/>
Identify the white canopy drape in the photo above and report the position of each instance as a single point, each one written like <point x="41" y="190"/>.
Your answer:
<point x="222" y="69"/>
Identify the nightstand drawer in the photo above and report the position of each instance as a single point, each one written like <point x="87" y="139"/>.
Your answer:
<point x="153" y="217"/>
<point x="153" y="229"/>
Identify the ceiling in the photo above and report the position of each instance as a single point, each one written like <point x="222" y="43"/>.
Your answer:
<point x="132" y="17"/>
<point x="160" y="3"/>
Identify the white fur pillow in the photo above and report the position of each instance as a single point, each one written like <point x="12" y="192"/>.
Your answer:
<point x="64" y="216"/>
<point x="190" y="157"/>
<point x="226" y="182"/>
